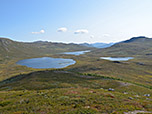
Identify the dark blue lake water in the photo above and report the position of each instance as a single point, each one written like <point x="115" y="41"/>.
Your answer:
<point x="117" y="58"/>
<point x="76" y="52"/>
<point x="46" y="62"/>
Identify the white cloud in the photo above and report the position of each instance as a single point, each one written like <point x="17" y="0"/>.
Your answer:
<point x="106" y="35"/>
<point x="63" y="29"/>
<point x="41" y="32"/>
<point x="81" y="31"/>
<point x="92" y="36"/>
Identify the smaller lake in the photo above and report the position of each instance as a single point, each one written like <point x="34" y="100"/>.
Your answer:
<point x="117" y="58"/>
<point x="46" y="62"/>
<point x="76" y="52"/>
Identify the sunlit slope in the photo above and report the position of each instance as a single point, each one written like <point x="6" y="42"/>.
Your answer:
<point x="12" y="49"/>
<point x="132" y="47"/>
<point x="60" y="92"/>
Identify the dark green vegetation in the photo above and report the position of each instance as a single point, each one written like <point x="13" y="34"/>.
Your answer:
<point x="78" y="89"/>
<point x="60" y="92"/>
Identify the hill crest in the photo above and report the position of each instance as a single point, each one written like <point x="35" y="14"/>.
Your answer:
<point x="137" y="39"/>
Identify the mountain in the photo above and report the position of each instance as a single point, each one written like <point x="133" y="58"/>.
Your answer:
<point x="14" y="49"/>
<point x="102" y="45"/>
<point x="98" y="45"/>
<point x="135" y="46"/>
<point x="91" y="86"/>
<point x="137" y="39"/>
<point x="40" y="41"/>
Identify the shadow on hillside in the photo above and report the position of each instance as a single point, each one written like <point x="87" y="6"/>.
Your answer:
<point x="40" y="80"/>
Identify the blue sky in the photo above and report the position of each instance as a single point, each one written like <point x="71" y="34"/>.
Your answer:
<point x="75" y="20"/>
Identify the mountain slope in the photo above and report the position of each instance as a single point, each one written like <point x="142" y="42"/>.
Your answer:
<point x="134" y="46"/>
<point x="10" y="49"/>
<point x="62" y="92"/>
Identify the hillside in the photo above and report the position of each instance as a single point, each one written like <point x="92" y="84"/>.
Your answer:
<point x="137" y="70"/>
<point x="13" y="49"/>
<point x="134" y="46"/>
<point x="91" y="86"/>
<point x="62" y="92"/>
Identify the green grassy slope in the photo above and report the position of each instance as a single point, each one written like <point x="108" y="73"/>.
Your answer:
<point x="60" y="92"/>
<point x="30" y="91"/>
<point x="11" y="49"/>
<point x="137" y="70"/>
<point x="132" y="47"/>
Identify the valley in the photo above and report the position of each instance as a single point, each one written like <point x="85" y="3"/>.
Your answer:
<point x="75" y="57"/>
<point x="91" y="85"/>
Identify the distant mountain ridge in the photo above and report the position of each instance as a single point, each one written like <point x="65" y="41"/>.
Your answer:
<point x="40" y="41"/>
<point x="135" y="46"/>
<point x="98" y="45"/>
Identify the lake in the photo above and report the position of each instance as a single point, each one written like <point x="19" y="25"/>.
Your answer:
<point x="117" y="58"/>
<point x="76" y="52"/>
<point x="46" y="62"/>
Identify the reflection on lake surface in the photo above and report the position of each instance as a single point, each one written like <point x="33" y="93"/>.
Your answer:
<point x="46" y="62"/>
<point x="76" y="52"/>
<point x="117" y="58"/>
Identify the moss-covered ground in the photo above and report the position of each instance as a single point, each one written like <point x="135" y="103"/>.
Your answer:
<point x="78" y="89"/>
<point x="62" y="92"/>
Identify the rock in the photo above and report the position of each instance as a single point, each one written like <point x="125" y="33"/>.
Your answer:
<point x="125" y="93"/>
<point x="130" y="98"/>
<point x="140" y="63"/>
<point x="21" y="101"/>
<point x="136" y="95"/>
<point x="147" y="95"/>
<point x="110" y="89"/>
<point x="87" y="106"/>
